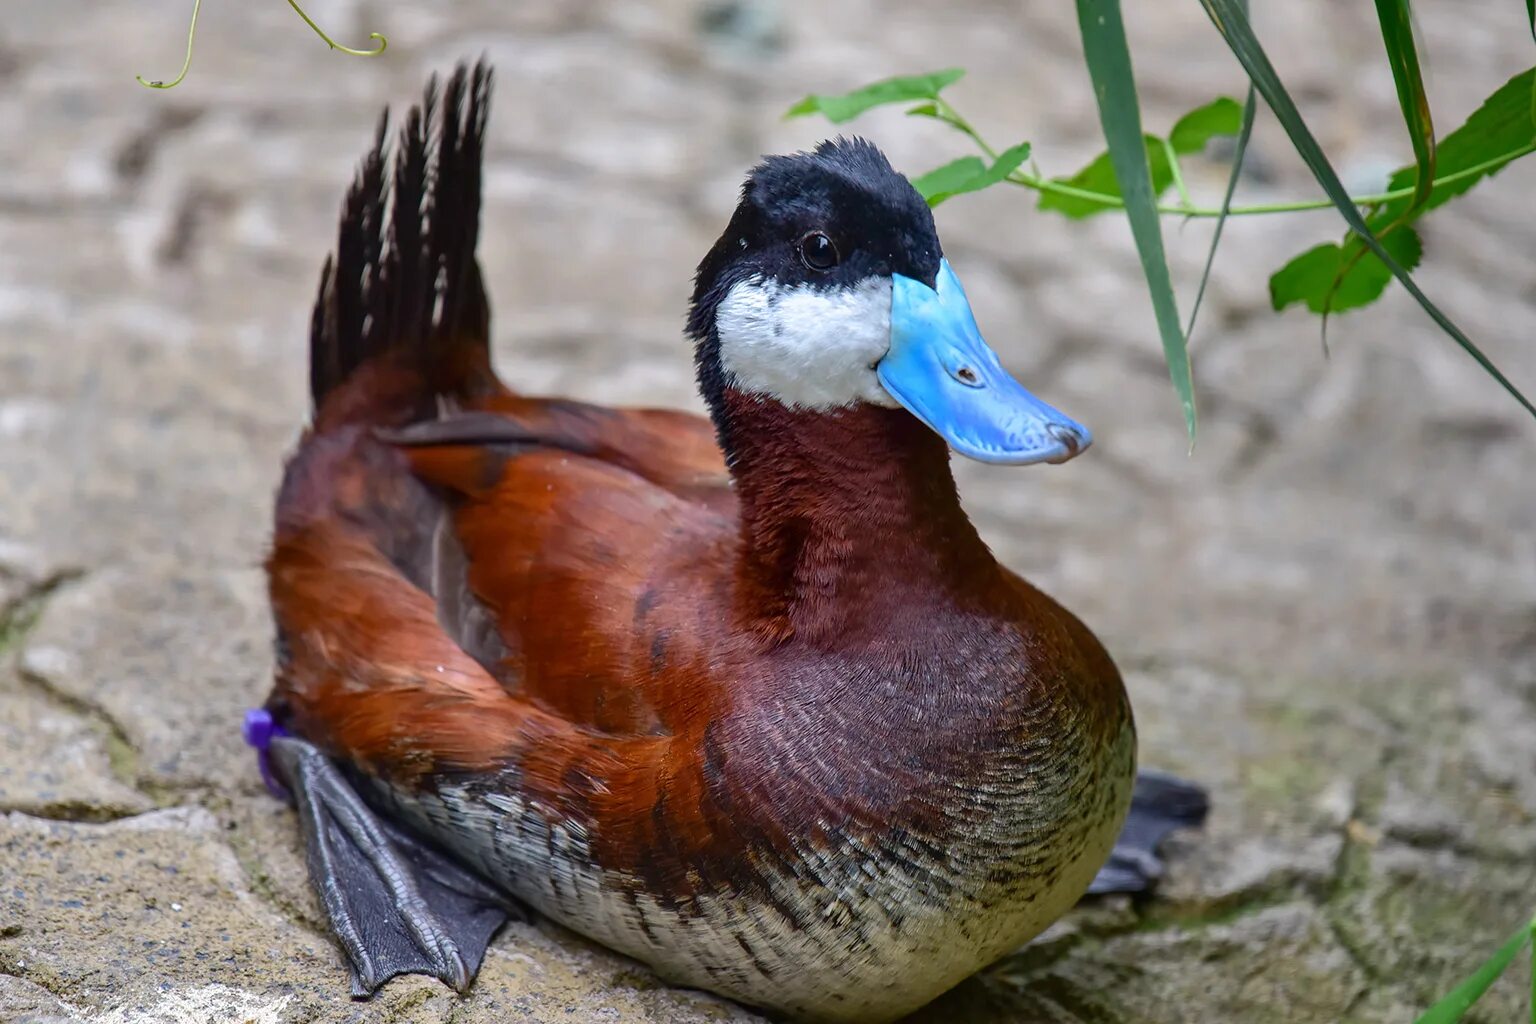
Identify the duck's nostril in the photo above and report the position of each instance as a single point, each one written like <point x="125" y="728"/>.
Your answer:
<point x="1070" y="439"/>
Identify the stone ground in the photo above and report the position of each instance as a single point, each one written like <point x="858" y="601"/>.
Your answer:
<point x="1327" y="613"/>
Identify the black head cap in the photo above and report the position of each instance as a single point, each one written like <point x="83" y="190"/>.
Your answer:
<point x="829" y="218"/>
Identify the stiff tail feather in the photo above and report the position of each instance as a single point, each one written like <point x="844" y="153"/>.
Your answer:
<point x="404" y="282"/>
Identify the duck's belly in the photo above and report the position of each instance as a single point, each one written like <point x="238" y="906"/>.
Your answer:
<point x="859" y="930"/>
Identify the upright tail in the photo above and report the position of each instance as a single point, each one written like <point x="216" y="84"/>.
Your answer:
<point x="403" y="290"/>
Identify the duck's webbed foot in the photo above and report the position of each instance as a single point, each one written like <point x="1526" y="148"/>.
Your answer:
<point x="1159" y="804"/>
<point x="396" y="905"/>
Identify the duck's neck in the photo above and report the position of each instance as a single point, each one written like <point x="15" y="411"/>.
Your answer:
<point x="850" y="521"/>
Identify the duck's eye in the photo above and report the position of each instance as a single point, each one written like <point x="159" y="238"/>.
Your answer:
<point x="817" y="251"/>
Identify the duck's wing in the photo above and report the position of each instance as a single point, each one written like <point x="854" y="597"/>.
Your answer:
<point x="379" y="699"/>
<point x="580" y="584"/>
<point x="390" y="721"/>
<point x="675" y="450"/>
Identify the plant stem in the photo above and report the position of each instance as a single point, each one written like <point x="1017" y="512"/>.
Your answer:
<point x="1185" y="202"/>
<point x="1186" y="208"/>
<point x="952" y="116"/>
<point x="1040" y="184"/>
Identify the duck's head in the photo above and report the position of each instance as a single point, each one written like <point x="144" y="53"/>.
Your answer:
<point x="829" y="289"/>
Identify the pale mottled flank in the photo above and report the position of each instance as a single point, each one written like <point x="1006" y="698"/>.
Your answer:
<point x="1327" y="613"/>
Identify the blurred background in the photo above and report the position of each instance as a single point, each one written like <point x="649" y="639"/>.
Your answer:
<point x="1326" y="613"/>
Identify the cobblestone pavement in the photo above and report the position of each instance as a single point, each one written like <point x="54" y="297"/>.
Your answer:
<point x="1327" y="613"/>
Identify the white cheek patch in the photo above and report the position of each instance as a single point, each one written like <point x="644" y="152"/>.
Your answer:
<point x="807" y="347"/>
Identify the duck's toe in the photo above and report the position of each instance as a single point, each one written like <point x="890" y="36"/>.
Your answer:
<point x="1160" y="804"/>
<point x="395" y="905"/>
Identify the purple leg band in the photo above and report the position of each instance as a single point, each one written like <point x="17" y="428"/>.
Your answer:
<point x="258" y="730"/>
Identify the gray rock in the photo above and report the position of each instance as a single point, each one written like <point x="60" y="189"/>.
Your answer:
<point x="58" y="764"/>
<point x="25" y="1002"/>
<point x="112" y="643"/>
<point x="1396" y="901"/>
<point x="151" y="916"/>
<point x="1281" y="965"/>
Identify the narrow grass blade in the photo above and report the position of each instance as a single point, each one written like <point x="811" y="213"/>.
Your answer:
<point x="1232" y="23"/>
<point x="1109" y="64"/>
<point x="1397" y="34"/>
<point x="1250" y="108"/>
<point x="1530" y="15"/>
<point x="1453" y="1006"/>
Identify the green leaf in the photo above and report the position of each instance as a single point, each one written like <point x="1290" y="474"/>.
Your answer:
<point x="969" y="174"/>
<point x="1114" y="85"/>
<point x="902" y="89"/>
<point x="1232" y="23"/>
<point x="1223" y="116"/>
<point x="1503" y="126"/>
<point x="1315" y="278"/>
<point x="949" y="177"/>
<point x="1450" y="1009"/>
<point x="1397" y="34"/>
<point x="1364" y="277"/>
<point x="1310" y="274"/>
<point x="1007" y="162"/>
<point x="1099" y="177"/>
<point x="1193" y="131"/>
<point x="1530" y="15"/>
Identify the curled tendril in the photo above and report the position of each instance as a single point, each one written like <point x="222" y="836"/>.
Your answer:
<point x="333" y="44"/>
<point x="185" y="64"/>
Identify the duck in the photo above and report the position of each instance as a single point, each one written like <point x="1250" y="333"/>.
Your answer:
<point x="742" y="696"/>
